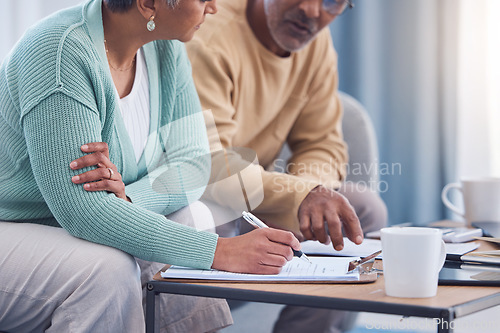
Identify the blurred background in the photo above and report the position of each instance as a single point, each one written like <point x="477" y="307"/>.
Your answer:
<point x="428" y="73"/>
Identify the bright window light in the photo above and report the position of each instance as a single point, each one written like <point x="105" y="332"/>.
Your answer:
<point x="478" y="104"/>
<point x="494" y="82"/>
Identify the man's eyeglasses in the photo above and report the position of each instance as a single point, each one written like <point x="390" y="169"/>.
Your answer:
<point x="337" y="7"/>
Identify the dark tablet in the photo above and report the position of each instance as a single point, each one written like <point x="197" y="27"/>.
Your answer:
<point x="464" y="274"/>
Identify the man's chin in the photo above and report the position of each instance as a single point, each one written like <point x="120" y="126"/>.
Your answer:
<point x="293" y="47"/>
<point x="294" y="43"/>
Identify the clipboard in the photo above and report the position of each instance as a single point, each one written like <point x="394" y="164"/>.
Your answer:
<point x="363" y="278"/>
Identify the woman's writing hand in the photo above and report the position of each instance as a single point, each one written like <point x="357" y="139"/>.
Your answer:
<point x="261" y="251"/>
<point x="105" y="177"/>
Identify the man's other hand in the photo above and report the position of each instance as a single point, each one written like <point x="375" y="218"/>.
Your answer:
<point x="326" y="211"/>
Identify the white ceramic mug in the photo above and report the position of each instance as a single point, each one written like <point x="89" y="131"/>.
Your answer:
<point x="481" y="198"/>
<point x="412" y="259"/>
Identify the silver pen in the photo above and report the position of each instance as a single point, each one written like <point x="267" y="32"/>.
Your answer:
<point x="253" y="220"/>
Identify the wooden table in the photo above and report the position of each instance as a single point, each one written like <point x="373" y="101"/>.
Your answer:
<point x="451" y="302"/>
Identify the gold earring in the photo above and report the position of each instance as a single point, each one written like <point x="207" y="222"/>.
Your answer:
<point x="151" y="23"/>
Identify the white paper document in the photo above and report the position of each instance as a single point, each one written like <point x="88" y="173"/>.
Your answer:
<point x="321" y="269"/>
<point x="350" y="249"/>
<point x="370" y="246"/>
<point x="460" y="248"/>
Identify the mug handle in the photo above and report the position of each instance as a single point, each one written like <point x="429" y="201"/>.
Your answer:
<point x="442" y="256"/>
<point x="448" y="203"/>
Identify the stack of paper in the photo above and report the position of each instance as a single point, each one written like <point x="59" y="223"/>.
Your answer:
<point x="321" y="269"/>
<point x="489" y="239"/>
<point x="487" y="257"/>
<point x="491" y="257"/>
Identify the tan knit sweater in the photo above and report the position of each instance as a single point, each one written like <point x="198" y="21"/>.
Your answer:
<point x="260" y="100"/>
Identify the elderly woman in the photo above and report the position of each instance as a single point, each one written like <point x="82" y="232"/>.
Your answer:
<point x="101" y="136"/>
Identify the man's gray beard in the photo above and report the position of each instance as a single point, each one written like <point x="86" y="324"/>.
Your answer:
<point x="274" y="35"/>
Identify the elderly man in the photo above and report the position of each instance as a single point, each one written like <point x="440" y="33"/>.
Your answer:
<point x="268" y="71"/>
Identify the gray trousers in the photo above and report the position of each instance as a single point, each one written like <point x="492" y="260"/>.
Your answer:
<point x="372" y="214"/>
<point x="51" y="281"/>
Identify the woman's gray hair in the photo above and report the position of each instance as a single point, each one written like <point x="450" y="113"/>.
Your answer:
<point x="124" y="5"/>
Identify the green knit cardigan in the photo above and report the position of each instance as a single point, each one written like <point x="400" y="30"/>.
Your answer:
<point x="56" y="94"/>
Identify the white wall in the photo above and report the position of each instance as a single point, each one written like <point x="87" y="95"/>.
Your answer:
<point x="18" y="15"/>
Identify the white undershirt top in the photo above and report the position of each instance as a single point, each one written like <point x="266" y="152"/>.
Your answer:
<point x="135" y="107"/>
